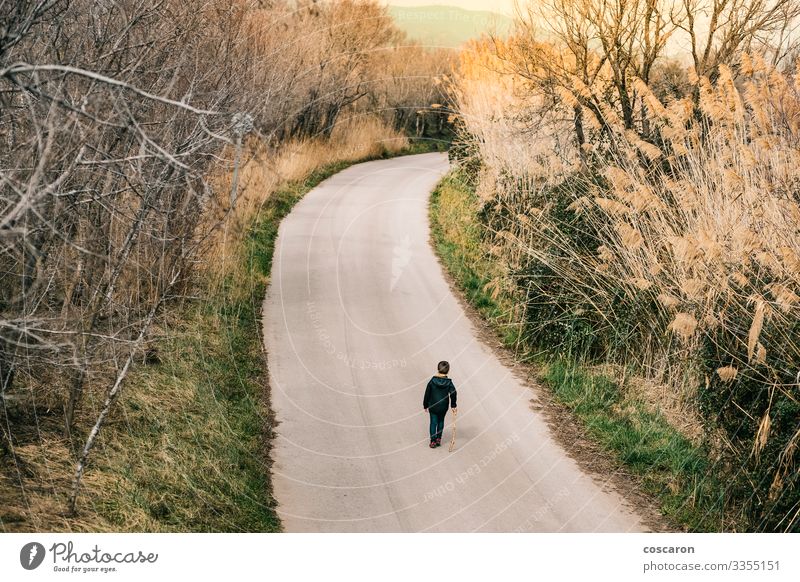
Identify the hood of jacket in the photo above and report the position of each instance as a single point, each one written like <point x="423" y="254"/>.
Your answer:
<point x="441" y="381"/>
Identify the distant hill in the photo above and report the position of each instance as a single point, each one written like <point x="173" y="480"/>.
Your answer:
<point x="448" y="26"/>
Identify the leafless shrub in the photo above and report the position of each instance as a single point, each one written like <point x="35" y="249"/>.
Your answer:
<point x="112" y="117"/>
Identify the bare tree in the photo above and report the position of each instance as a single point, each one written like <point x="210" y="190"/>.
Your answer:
<point x="112" y="115"/>
<point x="593" y="50"/>
<point x="731" y="27"/>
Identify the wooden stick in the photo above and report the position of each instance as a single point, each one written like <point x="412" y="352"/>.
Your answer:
<point x="453" y="438"/>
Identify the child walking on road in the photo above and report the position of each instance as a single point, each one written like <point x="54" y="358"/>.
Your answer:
<point x="438" y="392"/>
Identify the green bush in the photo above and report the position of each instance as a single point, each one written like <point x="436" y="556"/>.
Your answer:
<point x="737" y="407"/>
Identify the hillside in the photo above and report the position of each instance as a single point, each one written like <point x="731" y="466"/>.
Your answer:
<point x="448" y="26"/>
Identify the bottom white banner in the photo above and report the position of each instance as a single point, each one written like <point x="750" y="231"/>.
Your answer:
<point x="424" y="557"/>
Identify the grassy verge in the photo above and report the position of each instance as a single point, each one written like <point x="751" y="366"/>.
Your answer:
<point x="457" y="238"/>
<point x="418" y="145"/>
<point x="670" y="467"/>
<point x="188" y="449"/>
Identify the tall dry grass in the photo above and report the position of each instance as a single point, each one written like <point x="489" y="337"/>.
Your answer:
<point x="263" y="170"/>
<point x="673" y="248"/>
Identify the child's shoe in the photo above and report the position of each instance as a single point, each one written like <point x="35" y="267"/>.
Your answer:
<point x="433" y="444"/>
<point x="438" y="442"/>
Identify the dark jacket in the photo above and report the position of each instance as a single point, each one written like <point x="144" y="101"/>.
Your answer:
<point x="439" y="390"/>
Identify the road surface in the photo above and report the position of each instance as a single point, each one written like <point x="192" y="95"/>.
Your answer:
<point x="357" y="315"/>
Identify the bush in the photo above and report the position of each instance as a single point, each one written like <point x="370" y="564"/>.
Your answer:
<point x="758" y="411"/>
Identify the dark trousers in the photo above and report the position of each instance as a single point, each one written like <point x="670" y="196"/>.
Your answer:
<point x="437" y="425"/>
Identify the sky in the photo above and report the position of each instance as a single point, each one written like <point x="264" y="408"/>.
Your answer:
<point x="678" y="45"/>
<point x="502" y="6"/>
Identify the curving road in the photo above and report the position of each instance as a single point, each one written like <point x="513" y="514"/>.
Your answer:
<point x="356" y="317"/>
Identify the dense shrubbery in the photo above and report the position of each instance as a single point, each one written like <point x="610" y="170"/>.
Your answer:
<point x="647" y="216"/>
<point x="758" y="410"/>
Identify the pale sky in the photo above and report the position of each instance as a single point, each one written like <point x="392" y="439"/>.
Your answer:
<point x="502" y="6"/>
<point x="678" y="44"/>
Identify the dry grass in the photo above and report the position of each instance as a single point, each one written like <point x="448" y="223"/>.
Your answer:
<point x="694" y="228"/>
<point x="713" y="239"/>
<point x="187" y="446"/>
<point x="677" y="406"/>
<point x="264" y="170"/>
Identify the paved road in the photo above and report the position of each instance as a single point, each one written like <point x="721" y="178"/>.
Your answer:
<point x="356" y="317"/>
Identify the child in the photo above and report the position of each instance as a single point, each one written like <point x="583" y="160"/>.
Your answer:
<point x="439" y="390"/>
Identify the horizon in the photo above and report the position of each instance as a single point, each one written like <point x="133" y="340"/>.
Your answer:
<point x="505" y="7"/>
<point x="677" y="46"/>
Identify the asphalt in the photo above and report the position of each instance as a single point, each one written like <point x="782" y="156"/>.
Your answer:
<point x="356" y="317"/>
